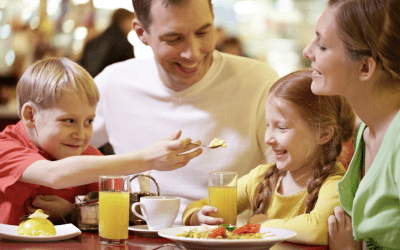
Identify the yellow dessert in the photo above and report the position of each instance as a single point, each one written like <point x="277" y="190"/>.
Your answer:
<point x="217" y="142"/>
<point x="37" y="224"/>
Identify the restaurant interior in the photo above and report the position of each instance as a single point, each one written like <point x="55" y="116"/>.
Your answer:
<point x="274" y="31"/>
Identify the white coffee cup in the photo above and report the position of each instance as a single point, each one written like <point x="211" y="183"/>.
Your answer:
<point x="159" y="212"/>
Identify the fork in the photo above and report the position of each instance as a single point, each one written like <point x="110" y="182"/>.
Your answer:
<point x="177" y="244"/>
<point x="216" y="146"/>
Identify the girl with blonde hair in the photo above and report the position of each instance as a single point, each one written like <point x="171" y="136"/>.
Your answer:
<point x="299" y="191"/>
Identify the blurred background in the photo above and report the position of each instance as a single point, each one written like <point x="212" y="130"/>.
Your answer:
<point x="274" y="31"/>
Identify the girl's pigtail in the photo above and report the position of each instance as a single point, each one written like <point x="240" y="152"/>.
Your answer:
<point x="344" y="128"/>
<point x="265" y="190"/>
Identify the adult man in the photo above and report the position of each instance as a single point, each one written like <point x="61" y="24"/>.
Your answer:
<point x="186" y="85"/>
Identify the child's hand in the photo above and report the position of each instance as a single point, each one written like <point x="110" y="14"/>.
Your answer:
<point x="341" y="231"/>
<point x="258" y="219"/>
<point x="52" y="205"/>
<point x="202" y="217"/>
<point x="166" y="154"/>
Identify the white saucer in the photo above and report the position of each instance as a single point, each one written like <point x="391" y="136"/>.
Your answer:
<point x="145" y="231"/>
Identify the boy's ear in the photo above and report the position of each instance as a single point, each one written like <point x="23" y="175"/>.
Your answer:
<point x="325" y="134"/>
<point x="28" y="112"/>
<point x="367" y="68"/>
<point x="140" y="31"/>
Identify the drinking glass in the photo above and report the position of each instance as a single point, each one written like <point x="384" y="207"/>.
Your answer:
<point x="113" y="209"/>
<point x="222" y="187"/>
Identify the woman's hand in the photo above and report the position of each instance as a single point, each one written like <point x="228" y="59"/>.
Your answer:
<point x="169" y="153"/>
<point x="341" y="231"/>
<point x="258" y="219"/>
<point x="202" y="217"/>
<point x="52" y="205"/>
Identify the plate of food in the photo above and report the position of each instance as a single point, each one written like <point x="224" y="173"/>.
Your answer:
<point x="37" y="228"/>
<point x="226" y="238"/>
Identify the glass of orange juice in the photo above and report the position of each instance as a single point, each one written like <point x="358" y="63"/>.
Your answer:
<point x="223" y="195"/>
<point x="113" y="209"/>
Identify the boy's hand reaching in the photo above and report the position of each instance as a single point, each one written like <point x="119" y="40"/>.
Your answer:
<point x="341" y="231"/>
<point x="202" y="217"/>
<point x="52" y="205"/>
<point x="169" y="153"/>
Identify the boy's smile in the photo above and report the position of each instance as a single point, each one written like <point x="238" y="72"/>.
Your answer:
<point x="65" y="130"/>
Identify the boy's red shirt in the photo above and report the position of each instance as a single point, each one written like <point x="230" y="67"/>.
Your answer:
<point x="17" y="152"/>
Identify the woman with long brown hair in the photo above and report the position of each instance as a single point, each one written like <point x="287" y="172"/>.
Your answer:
<point x="356" y="54"/>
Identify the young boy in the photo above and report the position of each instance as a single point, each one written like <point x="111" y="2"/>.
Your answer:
<point x="46" y="160"/>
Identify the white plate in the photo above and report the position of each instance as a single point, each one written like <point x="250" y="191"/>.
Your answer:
<point x="63" y="232"/>
<point x="222" y="244"/>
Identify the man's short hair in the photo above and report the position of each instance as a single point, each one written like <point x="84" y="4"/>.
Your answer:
<point x="142" y="9"/>
<point x="44" y="82"/>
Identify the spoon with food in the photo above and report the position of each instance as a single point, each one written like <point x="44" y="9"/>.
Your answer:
<point x="216" y="143"/>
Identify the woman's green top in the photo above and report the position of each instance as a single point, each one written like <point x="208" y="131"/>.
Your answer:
<point x="374" y="203"/>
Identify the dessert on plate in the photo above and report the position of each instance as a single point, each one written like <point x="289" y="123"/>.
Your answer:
<point x="36" y="224"/>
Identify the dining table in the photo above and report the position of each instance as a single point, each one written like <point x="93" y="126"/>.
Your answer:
<point x="136" y="241"/>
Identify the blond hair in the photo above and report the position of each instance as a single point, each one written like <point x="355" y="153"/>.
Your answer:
<point x="44" y="82"/>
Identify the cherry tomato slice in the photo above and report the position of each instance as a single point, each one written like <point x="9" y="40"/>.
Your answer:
<point x="254" y="228"/>
<point x="219" y="231"/>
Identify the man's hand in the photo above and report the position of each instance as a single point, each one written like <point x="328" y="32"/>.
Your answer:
<point x="52" y="205"/>
<point x="341" y="231"/>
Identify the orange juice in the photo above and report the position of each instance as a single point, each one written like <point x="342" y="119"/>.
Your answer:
<point x="114" y="215"/>
<point x="224" y="198"/>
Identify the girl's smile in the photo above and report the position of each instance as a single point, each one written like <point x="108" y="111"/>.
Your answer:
<point x="291" y="138"/>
